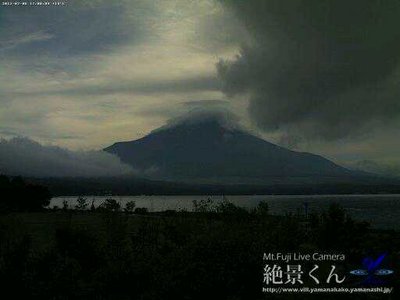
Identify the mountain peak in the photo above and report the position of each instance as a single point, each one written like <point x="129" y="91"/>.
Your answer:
<point x="211" y="147"/>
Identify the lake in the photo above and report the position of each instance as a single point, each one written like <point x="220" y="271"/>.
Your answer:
<point x="382" y="211"/>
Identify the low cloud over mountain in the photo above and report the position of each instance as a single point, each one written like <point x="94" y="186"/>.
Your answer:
<point x="211" y="147"/>
<point x="382" y="168"/>
<point x="25" y="157"/>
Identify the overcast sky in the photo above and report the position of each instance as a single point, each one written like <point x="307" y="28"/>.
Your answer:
<point x="318" y="76"/>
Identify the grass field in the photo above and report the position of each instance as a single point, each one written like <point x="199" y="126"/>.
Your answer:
<point x="172" y="255"/>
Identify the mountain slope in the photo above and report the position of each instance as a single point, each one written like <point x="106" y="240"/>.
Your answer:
<point x="209" y="151"/>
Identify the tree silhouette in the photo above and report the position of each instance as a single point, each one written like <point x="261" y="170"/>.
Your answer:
<point x="81" y="203"/>
<point x="17" y="195"/>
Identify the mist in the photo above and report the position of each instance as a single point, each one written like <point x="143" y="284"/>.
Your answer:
<point x="24" y="157"/>
<point x="205" y="111"/>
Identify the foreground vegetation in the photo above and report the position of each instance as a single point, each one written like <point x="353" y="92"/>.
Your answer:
<point x="115" y="252"/>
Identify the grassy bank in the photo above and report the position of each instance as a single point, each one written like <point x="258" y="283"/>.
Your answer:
<point x="213" y="252"/>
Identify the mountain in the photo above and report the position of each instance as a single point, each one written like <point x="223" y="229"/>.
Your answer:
<point x="209" y="150"/>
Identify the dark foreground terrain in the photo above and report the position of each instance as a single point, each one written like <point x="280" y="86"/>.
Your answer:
<point x="215" y="252"/>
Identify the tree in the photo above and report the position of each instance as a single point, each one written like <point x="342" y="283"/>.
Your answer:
<point x="111" y="205"/>
<point x="130" y="206"/>
<point x="228" y="208"/>
<point x="82" y="203"/>
<point x="204" y="205"/>
<point x="92" y="207"/>
<point x="17" y="195"/>
<point x="262" y="208"/>
<point x="65" y="205"/>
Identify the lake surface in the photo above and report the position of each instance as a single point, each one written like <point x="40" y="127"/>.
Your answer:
<point x="382" y="211"/>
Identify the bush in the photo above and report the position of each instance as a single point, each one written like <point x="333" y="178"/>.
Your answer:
<point x="262" y="208"/>
<point x="141" y="210"/>
<point x="82" y="204"/>
<point x="65" y="205"/>
<point x="204" y="205"/>
<point x="111" y="205"/>
<point x="226" y="207"/>
<point x="130" y="206"/>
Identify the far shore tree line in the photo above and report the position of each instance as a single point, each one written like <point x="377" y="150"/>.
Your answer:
<point x="19" y="195"/>
<point x="203" y="206"/>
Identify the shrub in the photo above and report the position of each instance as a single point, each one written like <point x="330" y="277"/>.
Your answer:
<point x="82" y="204"/>
<point x="204" y="205"/>
<point x="111" y="205"/>
<point x="65" y="205"/>
<point x="227" y="207"/>
<point x="262" y="208"/>
<point x="141" y="210"/>
<point x="130" y="206"/>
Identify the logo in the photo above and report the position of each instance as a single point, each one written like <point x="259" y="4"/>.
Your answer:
<point x="372" y="269"/>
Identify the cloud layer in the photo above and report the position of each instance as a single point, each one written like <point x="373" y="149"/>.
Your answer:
<point x="80" y="75"/>
<point x="24" y="157"/>
<point x="317" y="76"/>
<point x="325" y="69"/>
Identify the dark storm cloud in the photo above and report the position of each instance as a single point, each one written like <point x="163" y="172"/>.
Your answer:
<point x="325" y="68"/>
